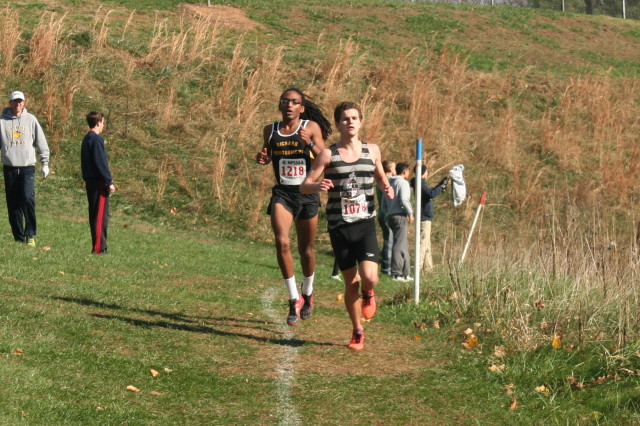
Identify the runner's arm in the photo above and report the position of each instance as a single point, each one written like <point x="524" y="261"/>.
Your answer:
<point x="380" y="177"/>
<point x="310" y="185"/>
<point x="263" y="157"/>
<point x="312" y="135"/>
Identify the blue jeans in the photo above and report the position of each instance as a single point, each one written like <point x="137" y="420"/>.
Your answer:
<point x="21" y="200"/>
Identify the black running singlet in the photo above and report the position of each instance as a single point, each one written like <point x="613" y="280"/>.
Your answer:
<point x="290" y="156"/>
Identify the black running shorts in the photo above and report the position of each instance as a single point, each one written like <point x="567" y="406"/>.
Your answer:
<point x="301" y="206"/>
<point x="355" y="242"/>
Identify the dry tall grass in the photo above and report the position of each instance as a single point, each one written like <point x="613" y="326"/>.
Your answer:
<point x="44" y="44"/>
<point x="10" y="34"/>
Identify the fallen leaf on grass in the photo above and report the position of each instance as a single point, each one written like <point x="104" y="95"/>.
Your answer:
<point x="61" y="272"/>
<point x="495" y="367"/>
<point x="543" y="389"/>
<point x="339" y="297"/>
<point x="101" y="408"/>
<point x="557" y="341"/>
<point x="167" y="370"/>
<point x="417" y="337"/>
<point x="598" y="381"/>
<point x="468" y="332"/>
<point x="514" y="404"/>
<point x="574" y="383"/>
<point x="472" y="342"/>
<point x="45" y="248"/>
<point x="500" y="352"/>
<point x="18" y="352"/>
<point x="436" y="324"/>
<point x="509" y="388"/>
<point x="154" y="373"/>
<point x="133" y="388"/>
<point x="155" y="393"/>
<point x="421" y="326"/>
<point x="538" y="304"/>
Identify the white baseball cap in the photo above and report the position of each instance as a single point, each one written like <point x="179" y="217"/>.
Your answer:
<point x="16" y="95"/>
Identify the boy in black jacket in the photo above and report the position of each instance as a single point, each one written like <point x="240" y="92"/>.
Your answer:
<point x="98" y="181"/>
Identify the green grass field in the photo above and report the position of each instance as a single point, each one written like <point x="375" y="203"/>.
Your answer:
<point x="208" y="314"/>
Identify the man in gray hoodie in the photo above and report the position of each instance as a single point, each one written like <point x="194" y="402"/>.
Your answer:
<point x="20" y="136"/>
<point x="399" y="216"/>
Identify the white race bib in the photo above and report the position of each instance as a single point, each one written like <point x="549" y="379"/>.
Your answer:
<point x="354" y="209"/>
<point x="292" y="171"/>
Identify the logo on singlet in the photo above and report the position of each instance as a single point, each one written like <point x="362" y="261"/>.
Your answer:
<point x="350" y="189"/>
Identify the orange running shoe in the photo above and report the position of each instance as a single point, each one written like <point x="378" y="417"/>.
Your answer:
<point x="357" y="340"/>
<point x="294" y="310"/>
<point x="368" y="304"/>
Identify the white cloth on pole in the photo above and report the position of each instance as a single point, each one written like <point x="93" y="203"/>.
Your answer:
<point x="458" y="187"/>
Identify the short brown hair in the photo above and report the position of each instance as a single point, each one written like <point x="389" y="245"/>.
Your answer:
<point x="93" y="118"/>
<point x="343" y="106"/>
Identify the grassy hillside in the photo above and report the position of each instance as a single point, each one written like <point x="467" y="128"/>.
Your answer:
<point x="532" y="103"/>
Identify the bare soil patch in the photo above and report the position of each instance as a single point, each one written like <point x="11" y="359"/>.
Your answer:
<point x="225" y="15"/>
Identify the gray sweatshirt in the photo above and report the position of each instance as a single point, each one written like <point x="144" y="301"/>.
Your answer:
<point x="401" y="203"/>
<point x="20" y="137"/>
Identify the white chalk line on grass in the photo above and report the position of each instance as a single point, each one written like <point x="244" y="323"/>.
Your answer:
<point x="286" y="362"/>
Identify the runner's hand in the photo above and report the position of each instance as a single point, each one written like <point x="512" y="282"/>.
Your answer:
<point x="262" y="157"/>
<point x="325" y="185"/>
<point x="305" y="135"/>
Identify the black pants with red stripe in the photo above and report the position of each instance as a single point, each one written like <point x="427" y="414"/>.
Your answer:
<point x="98" y="197"/>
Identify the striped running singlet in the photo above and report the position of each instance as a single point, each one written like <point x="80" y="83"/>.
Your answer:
<point x="352" y="197"/>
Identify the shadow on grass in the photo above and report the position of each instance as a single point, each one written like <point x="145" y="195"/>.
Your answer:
<point x="178" y="323"/>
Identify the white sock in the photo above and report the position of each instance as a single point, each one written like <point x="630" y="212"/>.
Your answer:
<point x="292" y="287"/>
<point x="307" y="285"/>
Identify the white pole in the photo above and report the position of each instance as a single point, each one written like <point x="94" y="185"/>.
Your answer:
<point x="418" y="189"/>
<point x="624" y="9"/>
<point x="473" y="225"/>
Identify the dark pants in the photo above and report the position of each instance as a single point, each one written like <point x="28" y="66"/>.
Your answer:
<point x="400" y="259"/>
<point x="387" y="243"/>
<point x="21" y="200"/>
<point x="98" y="198"/>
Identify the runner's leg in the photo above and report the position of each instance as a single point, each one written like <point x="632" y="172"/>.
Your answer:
<point x="281" y="220"/>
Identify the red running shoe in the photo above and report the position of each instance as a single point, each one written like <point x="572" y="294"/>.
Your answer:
<point x="357" y="340"/>
<point x="368" y="304"/>
<point x="294" y="310"/>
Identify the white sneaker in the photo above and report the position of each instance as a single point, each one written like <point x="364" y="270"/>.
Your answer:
<point x="399" y="278"/>
<point x="336" y="277"/>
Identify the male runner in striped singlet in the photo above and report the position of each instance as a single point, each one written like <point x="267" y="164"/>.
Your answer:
<point x="351" y="169"/>
<point x="290" y="146"/>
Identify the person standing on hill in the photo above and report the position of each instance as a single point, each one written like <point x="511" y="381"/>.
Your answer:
<point x="20" y="137"/>
<point x="351" y="169"/>
<point x="399" y="217"/>
<point x="389" y="168"/>
<point x="426" y="216"/>
<point x="98" y="181"/>
<point x="290" y="145"/>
